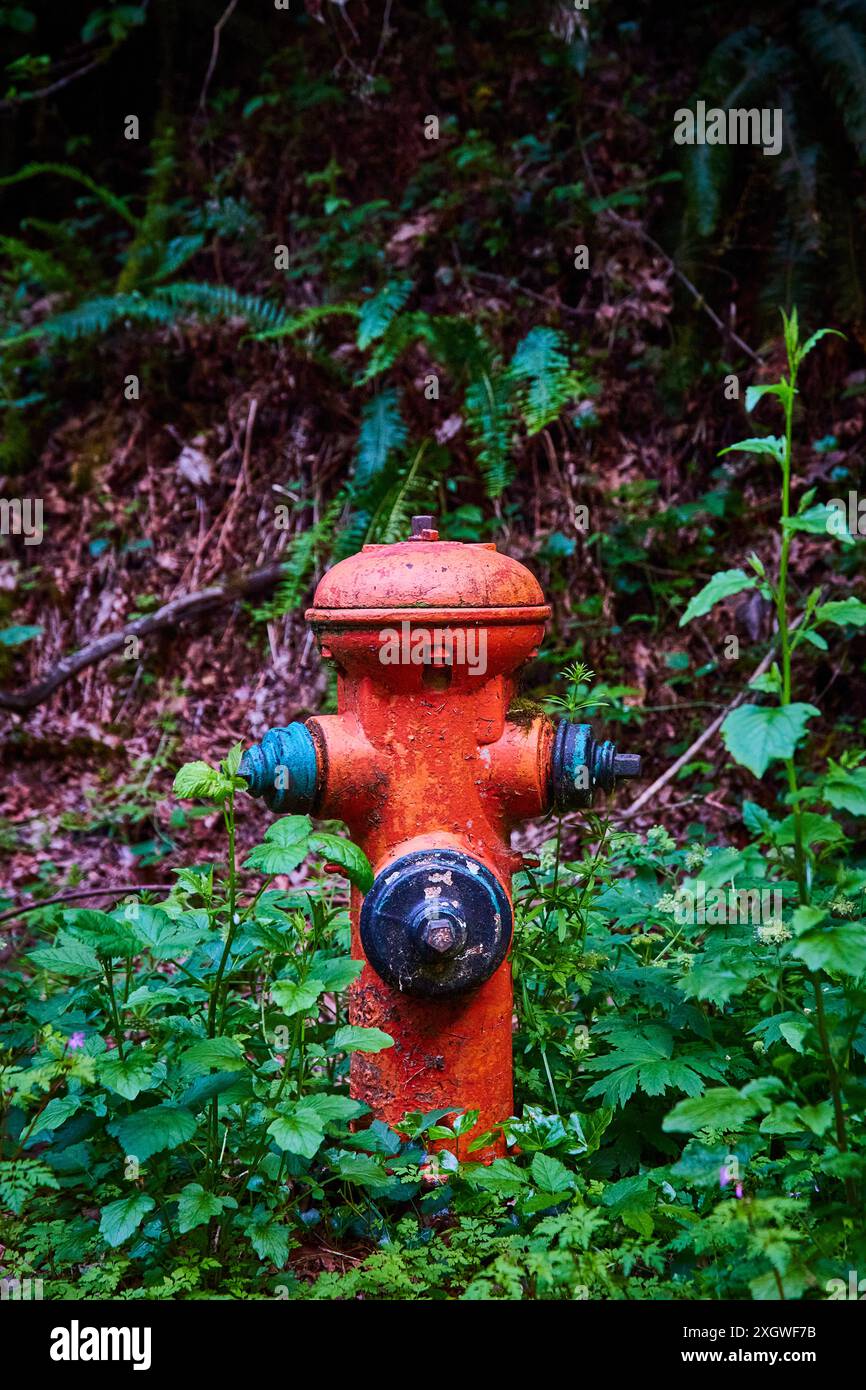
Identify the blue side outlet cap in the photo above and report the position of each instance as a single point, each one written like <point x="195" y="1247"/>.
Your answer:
<point x="283" y="769"/>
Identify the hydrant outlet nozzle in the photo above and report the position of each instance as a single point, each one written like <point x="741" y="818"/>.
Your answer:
<point x="283" y="769"/>
<point x="580" y="764"/>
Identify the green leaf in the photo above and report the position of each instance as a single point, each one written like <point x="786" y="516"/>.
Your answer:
<point x="755" y="393"/>
<point x="68" y="957"/>
<point x="332" y="1109"/>
<point x="147" y="1132"/>
<point x="232" y="760"/>
<point x="119" y="1219"/>
<point x="287" y="844"/>
<point x="55" y="1114"/>
<point x="164" y="937"/>
<point x="549" y="1175"/>
<point x="755" y="735"/>
<point x="17" y="636"/>
<point x="196" y="1207"/>
<point x="844" y="612"/>
<point x="770" y="445"/>
<point x="815" y="830"/>
<point x="298" y="1129"/>
<point x="820" y="520"/>
<point x="293" y="998"/>
<point x="838" y="947"/>
<point x="198" y="779"/>
<point x="337" y="973"/>
<point x="349" y="857"/>
<point x="845" y="789"/>
<point x="126" y="1075"/>
<point x="269" y="1240"/>
<point x="541" y="368"/>
<point x="721" y="1107"/>
<point x="353" y="1039"/>
<point x="222" y="1054"/>
<point x="722" y="585"/>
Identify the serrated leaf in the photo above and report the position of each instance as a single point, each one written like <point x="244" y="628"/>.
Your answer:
<point x="146" y="1132"/>
<point x="722" y="585"/>
<point x="126" y="1075"/>
<point x="196" y="1207"/>
<point x="756" y="735"/>
<point x="293" y="998"/>
<point x="298" y="1129"/>
<point x="549" y="1175"/>
<point x="68" y="957"/>
<point x="198" y="779"/>
<point x="845" y="789"/>
<point x="720" y="1107"/>
<point x="770" y="445"/>
<point x="338" y="973"/>
<point x="270" y="1241"/>
<point x="838" y="947"/>
<point x="222" y="1054"/>
<point x="55" y="1114"/>
<point x="377" y="312"/>
<point x="119" y="1219"/>
<point x="350" y="1038"/>
<point x="353" y="860"/>
<point x="844" y="612"/>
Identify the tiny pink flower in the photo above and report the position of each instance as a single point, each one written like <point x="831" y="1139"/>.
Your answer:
<point x="76" y="1041"/>
<point x="724" y="1177"/>
<point x="739" y="1189"/>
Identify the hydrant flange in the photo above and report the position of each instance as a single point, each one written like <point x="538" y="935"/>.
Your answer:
<point x="436" y="923"/>
<point x="283" y="769"/>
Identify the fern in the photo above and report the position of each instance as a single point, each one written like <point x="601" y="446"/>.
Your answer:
<point x="489" y="419"/>
<point x="300" y="559"/>
<point x="382" y="432"/>
<point x="840" y="52"/>
<point x="377" y="313"/>
<point x="66" y="171"/>
<point x="306" y="319"/>
<point x="220" y="301"/>
<point x="94" y="317"/>
<point x="544" y="378"/>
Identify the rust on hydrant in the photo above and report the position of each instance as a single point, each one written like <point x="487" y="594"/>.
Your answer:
<point x="430" y="773"/>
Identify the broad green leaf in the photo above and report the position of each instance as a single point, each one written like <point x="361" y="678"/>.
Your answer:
<point x="337" y="973"/>
<point x="844" y="612"/>
<point x="783" y="1119"/>
<point x="196" y="1207"/>
<point x="55" y="1114"/>
<point x="200" y="780"/>
<point x="126" y="1075"/>
<point x="818" y="1118"/>
<point x="349" y="857"/>
<point x="334" y="1108"/>
<point x="815" y="830"/>
<point x="755" y="735"/>
<point x="845" y="789"/>
<point x="277" y="856"/>
<point x="359" y="1168"/>
<point x="353" y="1039"/>
<point x="166" y="938"/>
<point x="298" y="1129"/>
<point x="819" y="520"/>
<point x="222" y="1054"/>
<point x="292" y="998"/>
<point x="770" y="445"/>
<point x="722" y="585"/>
<point x="119" y="1219"/>
<point x="269" y="1240"/>
<point x="549" y="1175"/>
<point x="755" y="393"/>
<point x="146" y="1132"/>
<point x="289" y="830"/>
<point x="838" y="947"/>
<point x="68" y="957"/>
<point x="721" y="1107"/>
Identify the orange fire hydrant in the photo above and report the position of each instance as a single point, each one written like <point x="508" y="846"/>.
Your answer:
<point x="430" y="765"/>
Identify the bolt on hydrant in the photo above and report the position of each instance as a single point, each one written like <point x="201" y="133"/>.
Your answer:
<point x="430" y="767"/>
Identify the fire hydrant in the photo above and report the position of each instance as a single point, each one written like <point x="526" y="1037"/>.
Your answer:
<point x="430" y="763"/>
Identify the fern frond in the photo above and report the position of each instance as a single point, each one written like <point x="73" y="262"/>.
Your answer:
<point x="382" y="432"/>
<point x="95" y="317"/>
<point x="839" y="51"/>
<point x="377" y="313"/>
<point x="66" y="171"/>
<point x="487" y="405"/>
<point x="307" y="318"/>
<point x="545" y="381"/>
<point x="220" y="301"/>
<point x="301" y="557"/>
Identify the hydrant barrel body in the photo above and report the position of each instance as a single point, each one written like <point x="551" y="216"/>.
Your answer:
<point x="430" y="764"/>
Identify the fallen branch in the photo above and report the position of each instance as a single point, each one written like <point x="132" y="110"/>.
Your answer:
<point x="179" y="610"/>
<point x="118" y="891"/>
